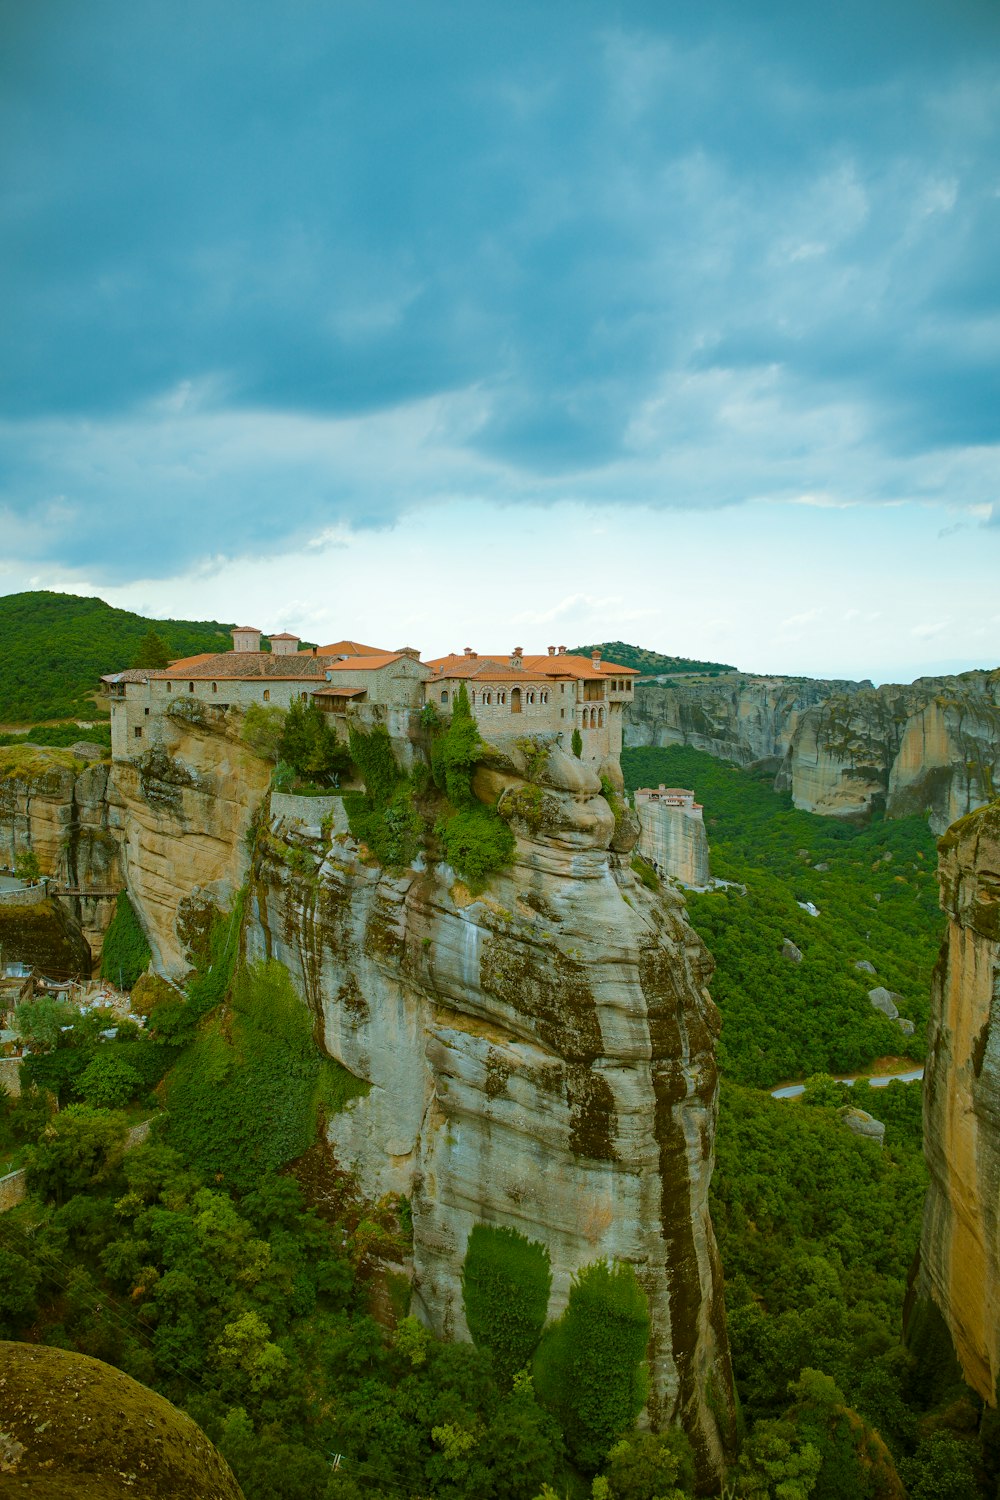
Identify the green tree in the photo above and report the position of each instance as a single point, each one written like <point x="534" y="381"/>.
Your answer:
<point x="26" y="866"/>
<point x="506" y="1280"/>
<point x="40" y="1022"/>
<point x="651" y="1466"/>
<point x="108" y="1081"/>
<point x="263" y="728"/>
<point x="577" y="744"/>
<point x="777" y="1463"/>
<point x="152" y="652"/>
<point x="589" y="1369"/>
<point x="80" y="1148"/>
<point x="455" y="752"/>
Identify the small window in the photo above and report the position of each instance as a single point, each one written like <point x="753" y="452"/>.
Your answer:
<point x="501" y="697"/>
<point x="146" y="712"/>
<point x="215" y="687"/>
<point x="267" y="695"/>
<point x="170" y="687"/>
<point x="472" y="698"/>
<point x="137" y="731"/>
<point x="190" y="687"/>
<point x="562" y="713"/>
<point x="444" y="695"/>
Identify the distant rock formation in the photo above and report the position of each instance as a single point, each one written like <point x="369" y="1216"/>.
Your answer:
<point x="74" y="1426"/>
<point x="960" y="1244"/>
<point x="931" y="748"/>
<point x="842" y="748"/>
<point x="672" y="834"/>
<point x="737" y="717"/>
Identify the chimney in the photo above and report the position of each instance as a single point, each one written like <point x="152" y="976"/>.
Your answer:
<point x="245" y="638"/>
<point x="467" y="651"/>
<point x="516" y="659"/>
<point x="595" y="657"/>
<point x="552" y="650"/>
<point x="562" y="651"/>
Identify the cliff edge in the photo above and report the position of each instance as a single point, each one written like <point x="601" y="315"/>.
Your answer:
<point x="960" y="1243"/>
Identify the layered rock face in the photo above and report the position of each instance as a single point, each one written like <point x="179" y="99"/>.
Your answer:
<point x="55" y="803"/>
<point x="541" y="1056"/>
<point x="675" y="841"/>
<point x="182" y="813"/>
<point x="960" y="1242"/>
<point x="738" y="717"/>
<point x="931" y="748"/>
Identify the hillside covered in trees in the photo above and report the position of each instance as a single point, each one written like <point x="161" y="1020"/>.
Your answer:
<point x="54" y="647"/>
<point x="651" y="663"/>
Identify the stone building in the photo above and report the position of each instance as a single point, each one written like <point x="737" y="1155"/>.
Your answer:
<point x="516" y="695"/>
<point x="511" y="696"/>
<point x="672" y="833"/>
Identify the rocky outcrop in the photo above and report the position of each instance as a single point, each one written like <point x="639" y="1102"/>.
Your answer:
<point x="931" y="748"/>
<point x="540" y="1055"/>
<point x="183" y="813"/>
<point x="54" y="802"/>
<point x="844" y="749"/>
<point x="674" y="841"/>
<point x="738" y="717"/>
<point x="960" y="1243"/>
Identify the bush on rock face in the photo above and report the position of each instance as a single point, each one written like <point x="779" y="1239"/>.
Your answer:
<point x="108" y="1081"/>
<point x="506" y="1282"/>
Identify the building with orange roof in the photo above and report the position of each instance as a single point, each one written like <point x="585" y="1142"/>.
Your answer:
<point x="511" y="695"/>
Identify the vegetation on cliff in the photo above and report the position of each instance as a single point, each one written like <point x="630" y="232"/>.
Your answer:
<point x="55" y="647"/>
<point x="126" y="952"/>
<point x="876" y="894"/>
<point x="650" y="663"/>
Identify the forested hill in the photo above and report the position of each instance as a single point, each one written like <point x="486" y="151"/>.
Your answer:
<point x="54" y="647"/>
<point x="651" y="663"/>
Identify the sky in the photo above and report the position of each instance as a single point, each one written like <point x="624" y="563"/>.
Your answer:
<point x="472" y="324"/>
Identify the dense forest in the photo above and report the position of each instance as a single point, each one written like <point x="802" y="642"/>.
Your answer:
<point x="651" y="663"/>
<point x="874" y="888"/>
<point x="55" y="647"/>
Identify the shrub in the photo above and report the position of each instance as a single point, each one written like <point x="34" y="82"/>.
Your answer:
<point x="263" y="728"/>
<point x="577" y="744"/>
<point x="506" y="1282"/>
<point x="455" y="753"/>
<point x="310" y="746"/>
<point x="126" y="952"/>
<point x="476" y="843"/>
<point x="108" y="1081"/>
<point x="589" y="1369"/>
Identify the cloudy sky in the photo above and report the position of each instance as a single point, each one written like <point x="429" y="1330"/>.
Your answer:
<point x="479" y="323"/>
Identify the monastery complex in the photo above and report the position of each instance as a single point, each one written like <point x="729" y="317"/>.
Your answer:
<point x="511" y="695"/>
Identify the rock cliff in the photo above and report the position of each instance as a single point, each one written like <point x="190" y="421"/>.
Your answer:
<point x="960" y="1243"/>
<point x="182" y="813"/>
<point x="55" y="803"/>
<point x="932" y="747"/>
<point x="540" y="1055"/>
<point x="842" y="748"/>
<point x="737" y="717"/>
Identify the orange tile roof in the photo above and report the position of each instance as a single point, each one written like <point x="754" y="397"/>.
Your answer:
<point x="350" y="648"/>
<point x="192" y="661"/>
<point x="364" y="663"/>
<point x="579" y="668"/>
<point x="284" y="636"/>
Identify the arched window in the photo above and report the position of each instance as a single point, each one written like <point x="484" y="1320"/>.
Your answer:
<point x="488" y="698"/>
<point x="444" y="695"/>
<point x="267" y="695"/>
<point x="472" y="698"/>
<point x="600" y="718"/>
<point x="515" y="700"/>
<point x="543" y="697"/>
<point x="170" y="687"/>
<point x="501" y="697"/>
<point x="215" y="687"/>
<point x="190" y="687"/>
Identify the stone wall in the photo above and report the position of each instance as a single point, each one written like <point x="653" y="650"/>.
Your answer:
<point x="12" y="1190"/>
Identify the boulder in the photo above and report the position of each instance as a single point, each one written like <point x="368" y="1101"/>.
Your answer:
<point x="905" y="1026"/>
<point x="865" y="967"/>
<point x="860" y="1122"/>
<point x="885" y="1001"/>
<point x="791" y="952"/>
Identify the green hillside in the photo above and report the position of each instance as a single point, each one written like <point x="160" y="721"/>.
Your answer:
<point x="54" y="647"/>
<point x="651" y="663"/>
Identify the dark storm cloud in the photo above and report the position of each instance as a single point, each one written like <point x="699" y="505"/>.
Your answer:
<point x="240" y="239"/>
